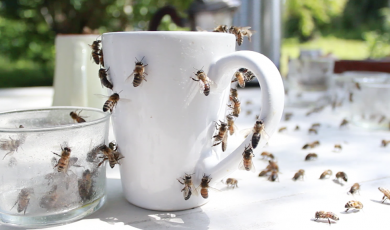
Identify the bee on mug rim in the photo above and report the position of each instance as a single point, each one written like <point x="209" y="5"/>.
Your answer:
<point x="103" y="78"/>
<point x="311" y="156"/>
<point x="247" y="160"/>
<point x="236" y="107"/>
<point x="221" y="28"/>
<point x="188" y="188"/>
<point x="240" y="33"/>
<point x="221" y="136"/>
<point x="204" y="82"/>
<point x="342" y="175"/>
<point x="326" y="215"/>
<point x="76" y="116"/>
<point x="354" y="188"/>
<point x="23" y="199"/>
<point x="326" y="173"/>
<point x="353" y="204"/>
<point x="299" y="174"/>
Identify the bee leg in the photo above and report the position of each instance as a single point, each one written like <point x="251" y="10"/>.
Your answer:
<point x="102" y="162"/>
<point x="7" y="154"/>
<point x="24" y="213"/>
<point x="217" y="143"/>
<point x="347" y="210"/>
<point x="329" y="221"/>
<point x="384" y="198"/>
<point x="180" y="182"/>
<point x="56" y="154"/>
<point x="195" y="79"/>
<point x="14" y="205"/>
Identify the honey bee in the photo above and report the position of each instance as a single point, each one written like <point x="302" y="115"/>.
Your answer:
<point x="296" y="128"/>
<point x="76" y="116"/>
<point x="249" y="76"/>
<point x="338" y="147"/>
<point x="50" y="199"/>
<point x="384" y="143"/>
<point x="139" y="73"/>
<point x="240" y="77"/>
<point x="96" y="51"/>
<point x="221" y="137"/>
<point x="204" y="185"/>
<point x="111" y="155"/>
<point x="23" y="199"/>
<point x="386" y="194"/>
<point x="344" y="122"/>
<point x="287" y="116"/>
<point x="188" y="186"/>
<point x="85" y="185"/>
<point x="230" y="123"/>
<point x="204" y="82"/>
<point x="298" y="174"/>
<point x="310" y="156"/>
<point x="273" y="176"/>
<point x="326" y="215"/>
<point x="101" y="57"/>
<point x="350" y="97"/>
<point x="353" y="204"/>
<point x="267" y="155"/>
<point x="111" y="102"/>
<point x="65" y="161"/>
<point x="282" y="129"/>
<point x="240" y="33"/>
<point x="236" y="107"/>
<point x="258" y="131"/>
<point x="233" y="94"/>
<point x="232" y="183"/>
<point x="311" y="145"/>
<point x="354" y="188"/>
<point x="247" y="163"/>
<point x="325" y="173"/>
<point x="221" y="28"/>
<point x="11" y="145"/>
<point x="357" y="85"/>
<point x="264" y="172"/>
<point x="103" y="78"/>
<point x="315" y="125"/>
<point x="272" y="166"/>
<point x="342" y="175"/>
<point x="313" y="130"/>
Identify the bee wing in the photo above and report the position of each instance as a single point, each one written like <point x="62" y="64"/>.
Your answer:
<point x="201" y="87"/>
<point x="264" y="135"/>
<point x="186" y="191"/>
<point x="252" y="167"/>
<point x="199" y="29"/>
<point x="214" y="189"/>
<point x="102" y="96"/>
<point x="246" y="132"/>
<point x="53" y="161"/>
<point x="72" y="161"/>
<point x="194" y="190"/>
<point x="132" y="74"/>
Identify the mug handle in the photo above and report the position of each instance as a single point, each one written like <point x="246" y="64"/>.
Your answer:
<point x="272" y="94"/>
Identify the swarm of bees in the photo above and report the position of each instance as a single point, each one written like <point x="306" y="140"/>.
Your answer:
<point x="239" y="32"/>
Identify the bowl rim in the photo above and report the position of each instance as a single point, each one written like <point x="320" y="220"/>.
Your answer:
<point x="105" y="117"/>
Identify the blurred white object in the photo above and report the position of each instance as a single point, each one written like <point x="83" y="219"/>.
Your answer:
<point x="76" y="78"/>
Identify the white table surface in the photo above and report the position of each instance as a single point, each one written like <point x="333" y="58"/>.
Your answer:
<point x="258" y="203"/>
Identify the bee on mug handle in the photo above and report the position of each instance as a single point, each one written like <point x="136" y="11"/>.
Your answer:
<point x="138" y="72"/>
<point x="231" y="126"/>
<point x="239" y="76"/>
<point x="23" y="200"/>
<point x="188" y="186"/>
<point x="247" y="160"/>
<point x="236" y="107"/>
<point x="233" y="94"/>
<point x="76" y="116"/>
<point x="258" y="133"/>
<point x="204" y="82"/>
<point x="222" y="135"/>
<point x="240" y="33"/>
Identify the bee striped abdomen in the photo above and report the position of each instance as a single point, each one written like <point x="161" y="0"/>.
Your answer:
<point x="204" y="192"/>
<point x="108" y="106"/>
<point x="240" y="38"/>
<point x="206" y="89"/>
<point x="106" y="83"/>
<point x="137" y="80"/>
<point x="95" y="56"/>
<point x="255" y="139"/>
<point x="63" y="164"/>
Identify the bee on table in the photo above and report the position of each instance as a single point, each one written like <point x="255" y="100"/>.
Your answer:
<point x="65" y="161"/>
<point x="342" y="175"/>
<point x="96" y="51"/>
<point x="287" y="116"/>
<point x="337" y="147"/>
<point x="267" y="155"/>
<point x="272" y="166"/>
<point x="111" y="102"/>
<point x="23" y="199"/>
<point x="313" y="130"/>
<point x="103" y="78"/>
<point x="273" y="176"/>
<point x="326" y="215"/>
<point x="139" y="73"/>
<point x="247" y="163"/>
<point x="236" y="107"/>
<point x="204" y="82"/>
<point x="386" y="194"/>
<point x="240" y="77"/>
<point x="311" y="145"/>
<point x="315" y="125"/>
<point x="258" y="131"/>
<point x="357" y="85"/>
<point x="344" y="122"/>
<point x="230" y="123"/>
<point x="231" y="183"/>
<point x="326" y="173"/>
<point x="311" y="156"/>
<point x="355" y="188"/>
<point x="353" y="204"/>
<point x="76" y="116"/>
<point x="282" y="129"/>
<point x="296" y="128"/>
<point x="383" y="117"/>
<point x="384" y="143"/>
<point x="221" y="137"/>
<point x="111" y="155"/>
<point x="299" y="174"/>
<point x="85" y="185"/>
<point x="188" y="186"/>
<point x="221" y="28"/>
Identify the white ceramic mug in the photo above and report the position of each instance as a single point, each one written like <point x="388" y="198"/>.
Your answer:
<point x="76" y="78"/>
<point x="165" y="129"/>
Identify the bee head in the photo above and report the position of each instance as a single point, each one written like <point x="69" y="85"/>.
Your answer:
<point x="200" y="72"/>
<point x="259" y="122"/>
<point x="67" y="149"/>
<point x="243" y="70"/>
<point x="139" y="63"/>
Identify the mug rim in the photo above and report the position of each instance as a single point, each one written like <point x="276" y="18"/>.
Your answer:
<point x="105" y="117"/>
<point x="192" y="33"/>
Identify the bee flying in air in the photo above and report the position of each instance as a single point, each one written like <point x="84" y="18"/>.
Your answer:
<point x="268" y="155"/>
<point x="240" y="33"/>
<point x="311" y="145"/>
<point x="23" y="199"/>
<point x="139" y="73"/>
<point x="221" y="28"/>
<point x="354" y="188"/>
<point x="111" y="102"/>
<point x="221" y="137"/>
<point x="386" y="194"/>
<point x="326" y="215"/>
<point x="247" y="163"/>
<point x="342" y="175"/>
<point x="326" y="173"/>
<point x="236" y="107"/>
<point x="299" y="174"/>
<point x="311" y="156"/>
<point x="96" y="51"/>
<point x="85" y="185"/>
<point x="353" y="204"/>
<point x="230" y="122"/>
<point x="111" y="155"/>
<point x="204" y="82"/>
<point x="103" y="78"/>
<point x="188" y="186"/>
<point x="76" y="116"/>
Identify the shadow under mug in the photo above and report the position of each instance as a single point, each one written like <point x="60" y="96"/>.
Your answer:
<point x="165" y="126"/>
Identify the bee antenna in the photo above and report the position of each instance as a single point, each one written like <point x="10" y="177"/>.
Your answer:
<point x="202" y="68"/>
<point x="142" y="58"/>
<point x="136" y="59"/>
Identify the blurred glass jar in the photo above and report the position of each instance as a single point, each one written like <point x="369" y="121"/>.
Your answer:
<point x="308" y="81"/>
<point x="49" y="168"/>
